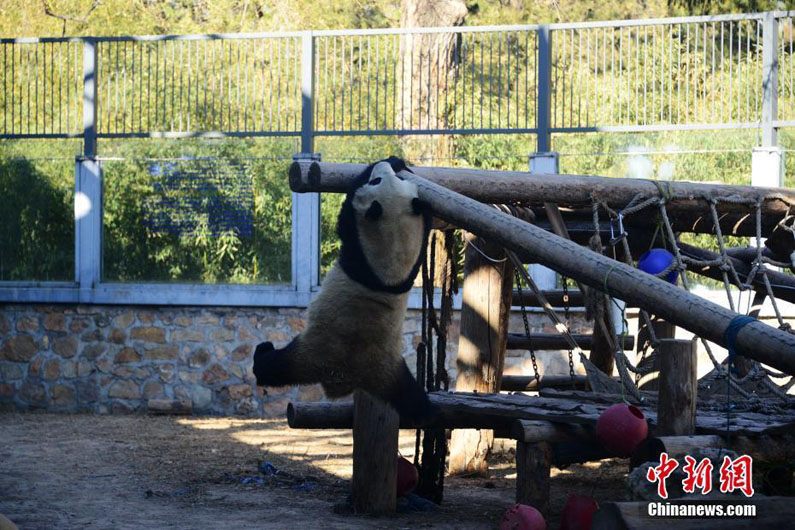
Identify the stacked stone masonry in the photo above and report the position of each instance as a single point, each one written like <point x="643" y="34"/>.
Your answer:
<point x="112" y="359"/>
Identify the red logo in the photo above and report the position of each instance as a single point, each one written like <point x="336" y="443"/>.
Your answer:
<point x="735" y="474"/>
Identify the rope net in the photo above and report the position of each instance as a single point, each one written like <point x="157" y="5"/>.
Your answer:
<point x="750" y="380"/>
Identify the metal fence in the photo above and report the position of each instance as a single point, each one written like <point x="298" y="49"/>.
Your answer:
<point x="724" y="72"/>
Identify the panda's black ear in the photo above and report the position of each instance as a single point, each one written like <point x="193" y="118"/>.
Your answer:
<point x="418" y="206"/>
<point x="374" y="212"/>
<point x="398" y="164"/>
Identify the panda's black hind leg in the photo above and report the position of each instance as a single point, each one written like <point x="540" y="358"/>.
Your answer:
<point x="409" y="399"/>
<point x="274" y="367"/>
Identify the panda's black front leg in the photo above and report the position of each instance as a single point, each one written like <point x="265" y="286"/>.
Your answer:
<point x="408" y="397"/>
<point x="274" y="367"/>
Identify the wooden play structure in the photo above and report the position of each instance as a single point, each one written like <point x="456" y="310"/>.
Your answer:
<point x="591" y="230"/>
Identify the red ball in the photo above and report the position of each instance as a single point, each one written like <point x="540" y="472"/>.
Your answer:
<point x="578" y="512"/>
<point x="407" y="477"/>
<point x="621" y="428"/>
<point x="523" y="517"/>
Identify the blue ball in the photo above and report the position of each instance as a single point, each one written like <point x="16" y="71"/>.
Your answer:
<point x="657" y="260"/>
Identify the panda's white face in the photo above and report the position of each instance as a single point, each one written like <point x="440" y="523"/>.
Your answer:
<point x="393" y="194"/>
<point x="390" y="231"/>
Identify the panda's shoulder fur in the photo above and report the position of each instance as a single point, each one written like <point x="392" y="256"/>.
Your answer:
<point x="353" y="257"/>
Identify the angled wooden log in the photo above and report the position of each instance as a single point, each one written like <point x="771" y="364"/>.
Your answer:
<point x="506" y="187"/>
<point x="755" y="340"/>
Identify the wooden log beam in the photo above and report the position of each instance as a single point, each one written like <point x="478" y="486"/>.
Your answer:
<point x="534" y="431"/>
<point x="375" y="449"/>
<point x="755" y="340"/>
<point x="772" y="449"/>
<point x="506" y="187"/>
<point x="678" y="382"/>
<point x="462" y="410"/>
<point x="528" y="383"/>
<point x="555" y="298"/>
<point x="555" y="341"/>
<point x="481" y="346"/>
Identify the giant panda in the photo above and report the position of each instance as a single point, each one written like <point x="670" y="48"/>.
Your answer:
<point x="353" y="336"/>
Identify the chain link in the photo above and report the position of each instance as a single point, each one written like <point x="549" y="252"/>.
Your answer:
<point x="567" y="315"/>
<point x="527" y="328"/>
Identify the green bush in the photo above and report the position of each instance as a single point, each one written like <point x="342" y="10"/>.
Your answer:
<point x="242" y="178"/>
<point x="36" y="219"/>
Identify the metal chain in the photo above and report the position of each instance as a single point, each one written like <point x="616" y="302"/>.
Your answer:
<point x="527" y="328"/>
<point x="567" y="315"/>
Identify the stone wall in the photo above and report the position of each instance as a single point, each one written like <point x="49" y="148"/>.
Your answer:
<point x="113" y="359"/>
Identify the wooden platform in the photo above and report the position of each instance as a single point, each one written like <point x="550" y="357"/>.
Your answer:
<point x="462" y="410"/>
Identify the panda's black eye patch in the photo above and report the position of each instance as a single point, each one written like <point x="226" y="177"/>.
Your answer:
<point x="375" y="181"/>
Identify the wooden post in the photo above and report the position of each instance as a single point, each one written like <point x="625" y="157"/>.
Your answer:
<point x="375" y="449"/>
<point x="676" y="406"/>
<point x="488" y="289"/>
<point x="533" y="461"/>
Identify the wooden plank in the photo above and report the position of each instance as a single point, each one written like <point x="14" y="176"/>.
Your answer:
<point x="375" y="449"/>
<point x="676" y="407"/>
<point x="533" y="463"/>
<point x="756" y="340"/>
<point x="481" y="346"/>
<point x="498" y="411"/>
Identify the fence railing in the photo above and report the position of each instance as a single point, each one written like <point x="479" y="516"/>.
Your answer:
<point x="734" y="71"/>
<point x="697" y="72"/>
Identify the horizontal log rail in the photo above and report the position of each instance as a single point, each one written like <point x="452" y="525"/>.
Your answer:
<point x="506" y="187"/>
<point x="755" y="340"/>
<point x="528" y="383"/>
<point x="556" y="341"/>
<point x="555" y="298"/>
<point x="465" y="410"/>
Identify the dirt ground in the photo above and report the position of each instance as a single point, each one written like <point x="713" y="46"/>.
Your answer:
<point x="89" y="471"/>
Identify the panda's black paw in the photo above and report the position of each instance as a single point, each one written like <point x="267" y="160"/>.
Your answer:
<point x="418" y="206"/>
<point x="261" y="361"/>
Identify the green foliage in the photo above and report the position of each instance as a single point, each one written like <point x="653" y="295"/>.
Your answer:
<point x="135" y="249"/>
<point x="36" y="241"/>
<point x="36" y="216"/>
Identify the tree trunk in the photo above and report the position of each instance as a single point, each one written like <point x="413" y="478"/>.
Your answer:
<point x="427" y="60"/>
